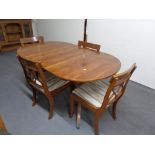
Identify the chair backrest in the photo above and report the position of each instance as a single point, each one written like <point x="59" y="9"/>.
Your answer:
<point x="91" y="46"/>
<point x="34" y="74"/>
<point x="31" y="40"/>
<point x="118" y="85"/>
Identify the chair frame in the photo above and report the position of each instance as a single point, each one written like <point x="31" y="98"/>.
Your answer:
<point x="2" y="125"/>
<point x="94" y="47"/>
<point x="31" y="40"/>
<point x="111" y="98"/>
<point x="33" y="70"/>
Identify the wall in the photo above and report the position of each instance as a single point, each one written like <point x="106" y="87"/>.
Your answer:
<point x="34" y="27"/>
<point x="61" y="30"/>
<point x="129" y="40"/>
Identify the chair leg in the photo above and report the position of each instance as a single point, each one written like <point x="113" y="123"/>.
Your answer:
<point x="72" y="87"/>
<point x="51" y="102"/>
<point x="71" y="106"/>
<point x="78" y="119"/>
<point x="96" y="124"/>
<point x="34" y="99"/>
<point x="114" y="110"/>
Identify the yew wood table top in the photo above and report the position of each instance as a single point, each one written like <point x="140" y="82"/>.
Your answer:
<point x="70" y="62"/>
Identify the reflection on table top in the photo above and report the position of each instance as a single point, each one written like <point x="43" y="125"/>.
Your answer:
<point x="70" y="62"/>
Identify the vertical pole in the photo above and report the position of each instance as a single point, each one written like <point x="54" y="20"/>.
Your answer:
<point x="85" y="31"/>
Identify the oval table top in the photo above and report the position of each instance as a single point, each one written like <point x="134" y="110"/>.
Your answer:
<point x="70" y="62"/>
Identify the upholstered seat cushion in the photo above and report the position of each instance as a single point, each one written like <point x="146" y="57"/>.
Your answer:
<point x="93" y="92"/>
<point x="53" y="82"/>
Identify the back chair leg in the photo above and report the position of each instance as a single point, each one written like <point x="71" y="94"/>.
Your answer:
<point x="71" y="106"/>
<point x="78" y="119"/>
<point x="34" y="99"/>
<point x="96" y="124"/>
<point x="51" y="102"/>
<point x="72" y="87"/>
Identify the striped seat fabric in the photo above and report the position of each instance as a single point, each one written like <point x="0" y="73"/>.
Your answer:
<point x="53" y="82"/>
<point x="93" y="92"/>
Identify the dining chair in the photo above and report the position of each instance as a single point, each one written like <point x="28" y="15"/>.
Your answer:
<point x="3" y="129"/>
<point x="41" y="81"/>
<point x="97" y="96"/>
<point x="31" y="40"/>
<point x="94" y="47"/>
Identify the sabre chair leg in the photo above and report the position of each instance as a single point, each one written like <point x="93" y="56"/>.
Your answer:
<point x="78" y="118"/>
<point x="51" y="102"/>
<point x="34" y="99"/>
<point x="72" y="87"/>
<point x="96" y="124"/>
<point x="71" y="111"/>
<point x="114" y="110"/>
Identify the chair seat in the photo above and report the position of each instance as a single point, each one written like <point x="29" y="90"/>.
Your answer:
<point x="93" y="92"/>
<point x="53" y="82"/>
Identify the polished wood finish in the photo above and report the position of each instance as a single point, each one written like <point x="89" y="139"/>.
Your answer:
<point x="11" y="30"/>
<point x="34" y="72"/>
<point x="69" y="62"/>
<point x="94" y="47"/>
<point x="31" y="40"/>
<point x="2" y="126"/>
<point x="117" y="87"/>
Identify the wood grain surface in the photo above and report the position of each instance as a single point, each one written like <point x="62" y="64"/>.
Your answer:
<point x="70" y="62"/>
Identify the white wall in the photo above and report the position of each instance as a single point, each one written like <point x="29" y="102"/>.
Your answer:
<point x="34" y="27"/>
<point x="129" y="40"/>
<point x="70" y="30"/>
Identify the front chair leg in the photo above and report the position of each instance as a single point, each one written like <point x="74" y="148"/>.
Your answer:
<point x="71" y="111"/>
<point x="96" y="124"/>
<point x="114" y="110"/>
<point x="51" y="102"/>
<point x="78" y="119"/>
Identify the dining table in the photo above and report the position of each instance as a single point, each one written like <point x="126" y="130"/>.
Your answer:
<point x="70" y="62"/>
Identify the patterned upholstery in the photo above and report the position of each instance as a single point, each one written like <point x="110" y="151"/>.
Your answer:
<point x="53" y="82"/>
<point x="93" y="92"/>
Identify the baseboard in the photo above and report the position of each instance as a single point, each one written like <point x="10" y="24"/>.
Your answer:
<point x="143" y="86"/>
